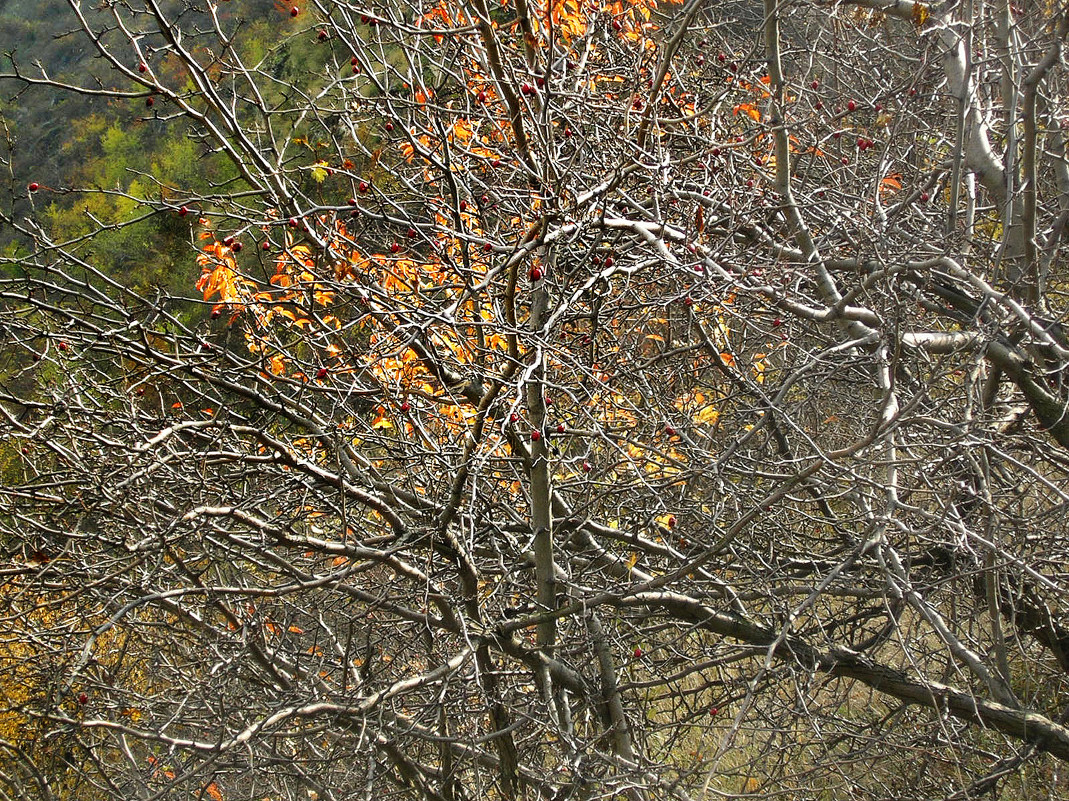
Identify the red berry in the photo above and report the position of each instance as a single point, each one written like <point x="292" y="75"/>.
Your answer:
<point x="818" y="105"/>
<point x="83" y="698"/>
<point x="142" y="67"/>
<point x="536" y="436"/>
<point x="851" y="106"/>
<point x="700" y="61"/>
<point x="394" y="248"/>
<point x="814" y="85"/>
<point x="321" y="373"/>
<point x="362" y="186"/>
<point x="713" y="711"/>
<point x="216" y="314"/>
<point x="406" y="406"/>
<point x="481" y="97"/>
<point x="540" y="82"/>
<point x="777" y="323"/>
<point x="513" y="417"/>
<point x="62" y="345"/>
<point x="721" y="57"/>
<point x="527" y="89"/>
<point x="687" y="301"/>
<point x="293" y="222"/>
<point x="34" y="186"/>
<point x="488" y="246"/>
<point x="912" y="92"/>
<point x="924" y="197"/>
<point x="617" y="25"/>
<point x="608" y="261"/>
<point x="150" y="101"/>
<point x="140" y="392"/>
<point x="669" y="431"/>
<point x="495" y="163"/>
<point x="638" y="652"/>
<point x="463" y="205"/>
<point x="353" y="60"/>
<point x="586" y="467"/>
<point x="536" y="273"/>
<point x="294" y="11"/>
<point x="878" y="108"/>
<point x="182" y="212"/>
<point x="322" y="36"/>
<point x="560" y="428"/>
<point x="265" y="246"/>
<point x="236" y="247"/>
<point x="671" y="521"/>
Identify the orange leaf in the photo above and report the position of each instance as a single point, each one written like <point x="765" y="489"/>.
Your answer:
<point x="749" y="109"/>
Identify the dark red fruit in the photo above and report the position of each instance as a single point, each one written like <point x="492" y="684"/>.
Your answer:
<point x="150" y="101"/>
<point x="406" y="406"/>
<point x="362" y="187"/>
<point x="560" y="428"/>
<point x="322" y="36"/>
<point x="536" y="436"/>
<point x="536" y="273"/>
<point x="265" y="246"/>
<point x="141" y="67"/>
<point x="294" y="11"/>
<point x="851" y="106"/>
<point x="395" y="248"/>
<point x="83" y="698"/>
<point x="34" y="186"/>
<point x="236" y="247"/>
<point x="321" y="373"/>
<point x="182" y="212"/>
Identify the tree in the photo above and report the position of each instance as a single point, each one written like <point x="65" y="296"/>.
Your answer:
<point x="578" y="400"/>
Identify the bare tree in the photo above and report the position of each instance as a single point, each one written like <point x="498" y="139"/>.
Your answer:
<point x="578" y="400"/>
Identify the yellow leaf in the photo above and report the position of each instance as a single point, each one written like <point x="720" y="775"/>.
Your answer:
<point x="920" y="14"/>
<point x="707" y="416"/>
<point x="380" y="421"/>
<point x="319" y="172"/>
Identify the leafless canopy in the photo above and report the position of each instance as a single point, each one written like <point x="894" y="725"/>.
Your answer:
<point x="578" y="400"/>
